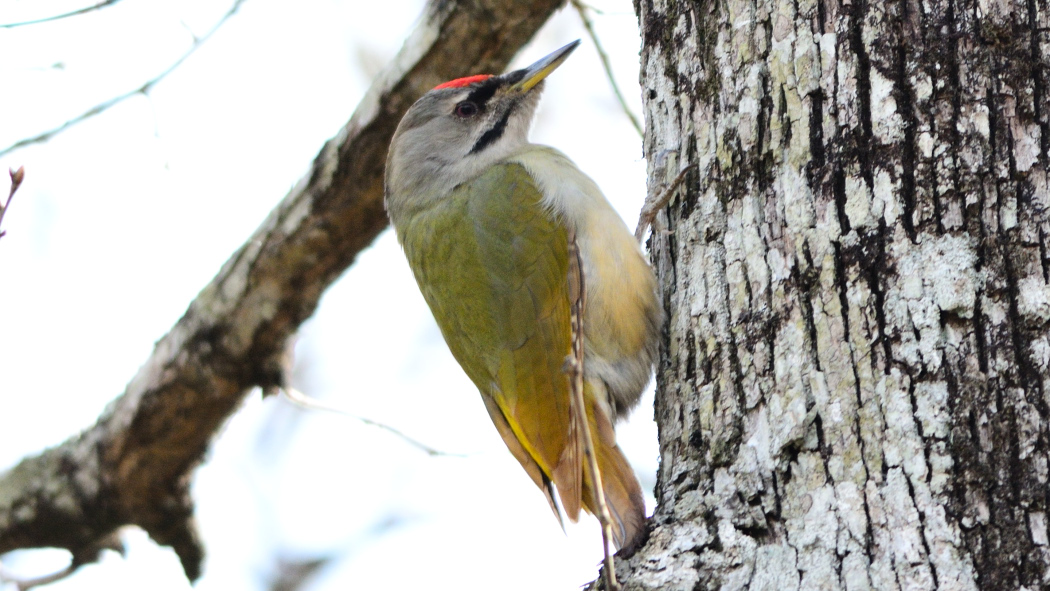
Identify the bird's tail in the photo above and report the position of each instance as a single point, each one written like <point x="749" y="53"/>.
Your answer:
<point x="623" y="494"/>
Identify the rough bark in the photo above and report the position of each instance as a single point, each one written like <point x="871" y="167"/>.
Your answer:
<point x="134" y="465"/>
<point x="854" y="386"/>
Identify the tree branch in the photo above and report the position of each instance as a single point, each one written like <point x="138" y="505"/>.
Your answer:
<point x="581" y="9"/>
<point x="55" y="17"/>
<point x="134" y="465"/>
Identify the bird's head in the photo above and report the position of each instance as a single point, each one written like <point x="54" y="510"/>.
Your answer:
<point x="461" y="127"/>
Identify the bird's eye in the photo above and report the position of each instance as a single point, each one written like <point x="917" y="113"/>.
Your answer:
<point x="466" y="109"/>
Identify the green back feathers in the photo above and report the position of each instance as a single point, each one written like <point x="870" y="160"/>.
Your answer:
<point x="492" y="264"/>
<point x="492" y="261"/>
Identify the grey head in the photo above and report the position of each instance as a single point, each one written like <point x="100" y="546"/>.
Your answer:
<point x="460" y="128"/>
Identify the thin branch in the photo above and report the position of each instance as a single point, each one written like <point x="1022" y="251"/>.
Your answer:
<point x="31" y="583"/>
<point x="303" y="401"/>
<point x="589" y="25"/>
<point x="145" y="88"/>
<point x="112" y="542"/>
<point x="597" y="10"/>
<point x="48" y="19"/>
<point x="17" y="176"/>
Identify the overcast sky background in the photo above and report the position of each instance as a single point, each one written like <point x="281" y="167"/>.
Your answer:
<point x="122" y="219"/>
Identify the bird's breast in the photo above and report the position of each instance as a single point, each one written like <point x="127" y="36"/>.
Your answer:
<point x="622" y="312"/>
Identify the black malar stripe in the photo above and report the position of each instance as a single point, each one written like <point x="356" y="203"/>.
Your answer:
<point x="493" y="134"/>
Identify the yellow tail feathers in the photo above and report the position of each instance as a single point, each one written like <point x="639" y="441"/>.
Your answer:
<point x="623" y="494"/>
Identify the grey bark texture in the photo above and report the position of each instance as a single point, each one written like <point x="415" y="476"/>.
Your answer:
<point x="134" y="466"/>
<point x="854" y="387"/>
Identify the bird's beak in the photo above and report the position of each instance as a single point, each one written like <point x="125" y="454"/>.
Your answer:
<point x="535" y="73"/>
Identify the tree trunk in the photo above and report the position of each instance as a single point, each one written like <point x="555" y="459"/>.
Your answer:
<point x="853" y="393"/>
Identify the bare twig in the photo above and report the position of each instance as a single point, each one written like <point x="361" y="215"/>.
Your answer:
<point x="652" y="206"/>
<point x="579" y="406"/>
<point x="56" y="17"/>
<point x="302" y="400"/>
<point x="143" y="89"/>
<point x="295" y="574"/>
<point x="16" y="181"/>
<point x="112" y="542"/>
<point x="589" y="25"/>
<point x="30" y="583"/>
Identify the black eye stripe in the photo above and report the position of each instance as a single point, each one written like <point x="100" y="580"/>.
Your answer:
<point x="484" y="91"/>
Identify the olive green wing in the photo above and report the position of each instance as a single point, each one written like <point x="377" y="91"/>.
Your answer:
<point x="492" y="263"/>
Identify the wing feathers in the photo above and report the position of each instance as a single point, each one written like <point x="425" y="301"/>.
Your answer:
<point x="495" y="278"/>
<point x="524" y="458"/>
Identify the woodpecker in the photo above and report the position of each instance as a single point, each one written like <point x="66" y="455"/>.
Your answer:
<point x="484" y="218"/>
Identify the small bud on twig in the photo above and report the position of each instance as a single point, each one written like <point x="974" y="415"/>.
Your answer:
<point x="16" y="181"/>
<point x="16" y="178"/>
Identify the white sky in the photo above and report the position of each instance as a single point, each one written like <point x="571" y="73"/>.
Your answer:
<point x="124" y="218"/>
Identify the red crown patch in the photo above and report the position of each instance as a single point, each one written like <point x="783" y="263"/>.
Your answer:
<point x="461" y="82"/>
